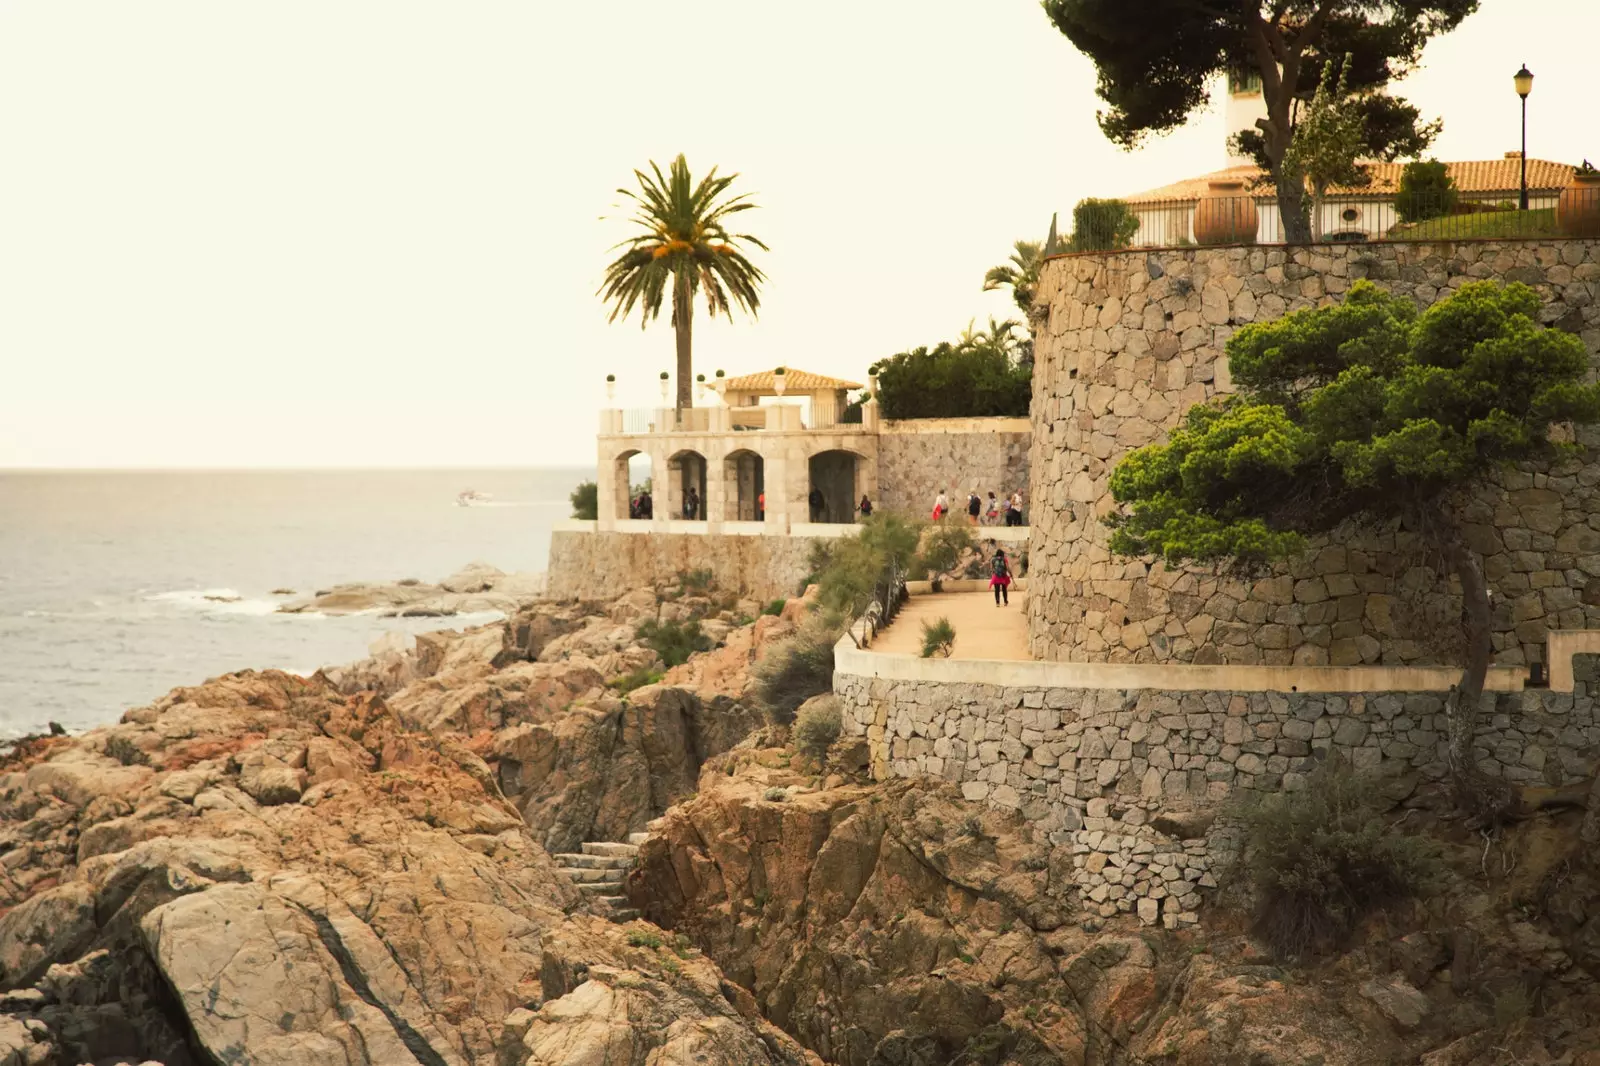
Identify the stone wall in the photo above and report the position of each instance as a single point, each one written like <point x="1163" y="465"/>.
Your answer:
<point x="917" y="458"/>
<point x="1114" y="775"/>
<point x="587" y="565"/>
<point x="1133" y="339"/>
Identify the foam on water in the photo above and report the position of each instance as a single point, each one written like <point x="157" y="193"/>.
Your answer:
<point x="215" y="601"/>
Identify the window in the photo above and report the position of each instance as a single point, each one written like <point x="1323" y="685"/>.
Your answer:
<point x="1351" y="214"/>
<point x="1244" y="81"/>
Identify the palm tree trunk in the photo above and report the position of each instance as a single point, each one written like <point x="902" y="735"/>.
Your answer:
<point x="683" y="323"/>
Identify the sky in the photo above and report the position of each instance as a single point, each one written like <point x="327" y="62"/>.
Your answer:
<point x="343" y="233"/>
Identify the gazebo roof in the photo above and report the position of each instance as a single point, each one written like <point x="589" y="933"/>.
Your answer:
<point x="793" y="381"/>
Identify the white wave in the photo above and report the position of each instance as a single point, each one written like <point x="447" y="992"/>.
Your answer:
<point x="215" y="601"/>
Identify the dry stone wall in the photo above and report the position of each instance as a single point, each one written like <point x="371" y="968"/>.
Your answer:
<point x="918" y="458"/>
<point x="1133" y="339"/>
<point x="587" y="565"/>
<point x="1115" y="776"/>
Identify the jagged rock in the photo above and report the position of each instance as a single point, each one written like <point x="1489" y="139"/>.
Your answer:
<point x="1398" y="1001"/>
<point x="400" y="919"/>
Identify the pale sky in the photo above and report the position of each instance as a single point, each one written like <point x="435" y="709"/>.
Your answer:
<point x="341" y="233"/>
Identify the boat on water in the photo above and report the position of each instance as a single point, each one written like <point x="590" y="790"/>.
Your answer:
<point x="473" y="498"/>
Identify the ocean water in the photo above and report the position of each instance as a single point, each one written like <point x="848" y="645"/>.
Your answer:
<point x="110" y="582"/>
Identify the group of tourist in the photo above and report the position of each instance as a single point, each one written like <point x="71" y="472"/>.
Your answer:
<point x="997" y="511"/>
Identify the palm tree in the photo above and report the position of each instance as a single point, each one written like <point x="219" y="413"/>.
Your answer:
<point x="683" y="240"/>
<point x="1021" y="273"/>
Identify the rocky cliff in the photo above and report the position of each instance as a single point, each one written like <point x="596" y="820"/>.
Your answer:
<point x="898" y="923"/>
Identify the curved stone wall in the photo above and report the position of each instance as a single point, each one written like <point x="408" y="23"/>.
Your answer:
<point x="1133" y="339"/>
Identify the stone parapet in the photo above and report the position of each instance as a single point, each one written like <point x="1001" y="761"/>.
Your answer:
<point x="1134" y="339"/>
<point x="1115" y="774"/>
<point x="603" y="565"/>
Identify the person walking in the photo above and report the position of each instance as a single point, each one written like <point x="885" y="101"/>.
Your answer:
<point x="817" y="504"/>
<point x="993" y="515"/>
<point x="691" y="504"/>
<point x="865" y="507"/>
<point x="941" y="506"/>
<point x="1000" y="578"/>
<point x="761" y="506"/>
<point x="974" y="507"/>
<point x="647" y="506"/>
<point x="1016" y="508"/>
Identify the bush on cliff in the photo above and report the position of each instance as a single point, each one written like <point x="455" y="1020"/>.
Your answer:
<point x="817" y="726"/>
<point x="794" y="670"/>
<point x="980" y="376"/>
<point x="674" y="642"/>
<point x="1319" y="860"/>
<point x="586" y="501"/>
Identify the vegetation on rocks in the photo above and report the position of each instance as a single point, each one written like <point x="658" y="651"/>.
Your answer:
<point x="1367" y="411"/>
<point x="794" y="670"/>
<point x="673" y="641"/>
<point x="1318" y="860"/>
<point x="943" y="549"/>
<point x="816" y="727"/>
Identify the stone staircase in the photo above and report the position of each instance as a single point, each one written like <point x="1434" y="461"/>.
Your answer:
<point x="598" y="870"/>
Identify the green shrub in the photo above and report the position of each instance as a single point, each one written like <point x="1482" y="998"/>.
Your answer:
<point x="586" y="501"/>
<point x="938" y="638"/>
<point x="637" y="679"/>
<point x="943" y="549"/>
<point x="775" y="794"/>
<point x="954" y="381"/>
<point x="1101" y="225"/>
<point x="775" y="607"/>
<point x="696" y="582"/>
<point x="674" y="642"/>
<point x="642" y="939"/>
<point x="1318" y="860"/>
<point x="816" y="728"/>
<point x="794" y="670"/>
<point x="1426" y="191"/>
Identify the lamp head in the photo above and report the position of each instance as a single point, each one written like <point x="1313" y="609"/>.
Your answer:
<point x="1524" y="81"/>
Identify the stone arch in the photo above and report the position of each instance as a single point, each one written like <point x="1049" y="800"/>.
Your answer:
<point x="835" y="475"/>
<point x="744" y="473"/>
<point x="686" y="469"/>
<point x="621" y="489"/>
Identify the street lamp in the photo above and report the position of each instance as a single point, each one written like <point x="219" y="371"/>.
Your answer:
<point x="1524" y="82"/>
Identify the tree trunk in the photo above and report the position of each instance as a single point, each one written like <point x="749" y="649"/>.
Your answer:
<point x="1292" y="207"/>
<point x="683" y="324"/>
<point x="1485" y="799"/>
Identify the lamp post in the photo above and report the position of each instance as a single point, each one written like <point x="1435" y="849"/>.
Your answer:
<point x="1524" y="82"/>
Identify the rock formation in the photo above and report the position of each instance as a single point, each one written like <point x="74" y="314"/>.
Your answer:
<point x="899" y="923"/>
<point x="476" y="588"/>
<point x="263" y="870"/>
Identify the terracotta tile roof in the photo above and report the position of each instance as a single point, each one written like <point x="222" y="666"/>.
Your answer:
<point x="1477" y="178"/>
<point x="796" y="380"/>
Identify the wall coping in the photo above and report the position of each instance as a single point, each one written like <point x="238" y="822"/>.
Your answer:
<point x="907" y="426"/>
<point x="1176" y="677"/>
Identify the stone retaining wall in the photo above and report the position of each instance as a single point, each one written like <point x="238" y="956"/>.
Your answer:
<point x="1134" y="339"/>
<point x="585" y="565"/>
<point x="917" y="458"/>
<point x="1111" y="773"/>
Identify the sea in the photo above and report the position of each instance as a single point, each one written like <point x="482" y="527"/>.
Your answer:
<point x="118" y="586"/>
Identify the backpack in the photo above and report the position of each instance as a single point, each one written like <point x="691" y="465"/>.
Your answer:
<point x="999" y="566"/>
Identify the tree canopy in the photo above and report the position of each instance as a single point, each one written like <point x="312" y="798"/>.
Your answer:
<point x="1156" y="60"/>
<point x="985" y="373"/>
<point x="683" y="242"/>
<point x="1367" y="409"/>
